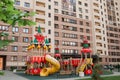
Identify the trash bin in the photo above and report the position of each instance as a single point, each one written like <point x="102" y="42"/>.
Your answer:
<point x="81" y="74"/>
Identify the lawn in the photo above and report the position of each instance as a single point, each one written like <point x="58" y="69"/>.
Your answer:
<point x="105" y="78"/>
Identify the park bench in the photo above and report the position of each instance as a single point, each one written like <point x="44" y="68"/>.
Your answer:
<point x="64" y="73"/>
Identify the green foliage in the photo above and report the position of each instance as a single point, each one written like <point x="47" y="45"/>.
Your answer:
<point x="96" y="72"/>
<point x="5" y="42"/>
<point x="1" y="73"/>
<point x="10" y="15"/>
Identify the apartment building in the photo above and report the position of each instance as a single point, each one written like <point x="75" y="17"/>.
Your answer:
<point x="113" y="31"/>
<point x="71" y="26"/>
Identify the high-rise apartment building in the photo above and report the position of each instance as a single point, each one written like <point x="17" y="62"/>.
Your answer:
<point x="113" y="31"/>
<point x="72" y="23"/>
<point x="65" y="23"/>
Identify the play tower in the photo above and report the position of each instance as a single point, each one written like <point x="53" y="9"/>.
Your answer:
<point x="39" y="62"/>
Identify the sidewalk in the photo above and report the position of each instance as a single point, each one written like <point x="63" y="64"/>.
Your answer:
<point x="114" y="74"/>
<point x="11" y="76"/>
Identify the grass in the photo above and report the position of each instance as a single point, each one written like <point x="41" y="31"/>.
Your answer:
<point x="105" y="78"/>
<point x="1" y="73"/>
<point x="106" y="72"/>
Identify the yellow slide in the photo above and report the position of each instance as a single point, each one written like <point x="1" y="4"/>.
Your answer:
<point x="55" y="66"/>
<point x="81" y="68"/>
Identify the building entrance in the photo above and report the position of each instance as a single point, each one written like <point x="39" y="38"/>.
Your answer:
<point x="2" y="62"/>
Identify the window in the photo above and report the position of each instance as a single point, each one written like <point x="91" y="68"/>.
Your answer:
<point x="55" y="3"/>
<point x="56" y="25"/>
<point x="4" y="28"/>
<point x="49" y="14"/>
<point x="3" y="48"/>
<point x="81" y="22"/>
<point x="56" y="10"/>
<point x="81" y="36"/>
<point x="25" y="39"/>
<point x="17" y="2"/>
<point x="24" y="48"/>
<point x="49" y="31"/>
<point x="87" y="31"/>
<point x="88" y="37"/>
<point x="15" y="38"/>
<point x="49" y="40"/>
<point x="80" y="3"/>
<point x="86" y="4"/>
<point x="56" y="34"/>
<point x="80" y="15"/>
<point x="13" y="58"/>
<point x="68" y="35"/>
<point x="86" y="10"/>
<point x="56" y="18"/>
<point x="86" y="17"/>
<point x="49" y="7"/>
<point x="69" y="51"/>
<point x="24" y="58"/>
<point x="56" y="42"/>
<point x="14" y="48"/>
<point x="87" y="24"/>
<point x="26" y="4"/>
<point x="69" y="43"/>
<point x="25" y="30"/>
<point x="81" y="29"/>
<point x="26" y="11"/>
<point x="49" y="23"/>
<point x="15" y="29"/>
<point x="80" y="9"/>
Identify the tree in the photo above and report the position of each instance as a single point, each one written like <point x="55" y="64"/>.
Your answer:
<point x="96" y="68"/>
<point x="12" y="16"/>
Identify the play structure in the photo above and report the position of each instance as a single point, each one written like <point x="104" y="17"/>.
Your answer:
<point x="40" y="62"/>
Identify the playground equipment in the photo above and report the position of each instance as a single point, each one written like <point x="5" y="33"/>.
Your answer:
<point x="39" y="61"/>
<point x="55" y="66"/>
<point x="86" y="51"/>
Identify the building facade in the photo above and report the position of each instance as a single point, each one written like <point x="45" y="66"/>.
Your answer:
<point x="70" y="27"/>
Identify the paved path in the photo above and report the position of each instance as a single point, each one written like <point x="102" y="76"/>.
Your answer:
<point x="115" y="74"/>
<point x="11" y="76"/>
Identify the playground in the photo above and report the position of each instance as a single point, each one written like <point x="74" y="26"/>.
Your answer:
<point x="41" y="63"/>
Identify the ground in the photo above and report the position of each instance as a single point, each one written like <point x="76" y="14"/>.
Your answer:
<point x="9" y="75"/>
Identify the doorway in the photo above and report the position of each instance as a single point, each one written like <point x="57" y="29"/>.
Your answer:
<point x="2" y="62"/>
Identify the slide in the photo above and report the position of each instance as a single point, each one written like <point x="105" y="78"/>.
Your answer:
<point x="81" y="67"/>
<point x="55" y="66"/>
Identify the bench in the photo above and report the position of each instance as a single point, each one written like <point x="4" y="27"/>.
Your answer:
<point x="62" y="73"/>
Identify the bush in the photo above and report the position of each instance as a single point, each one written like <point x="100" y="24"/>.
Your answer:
<point x="97" y="70"/>
<point x="13" y="67"/>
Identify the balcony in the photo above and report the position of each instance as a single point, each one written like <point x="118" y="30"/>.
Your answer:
<point x="40" y="4"/>
<point x="41" y="21"/>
